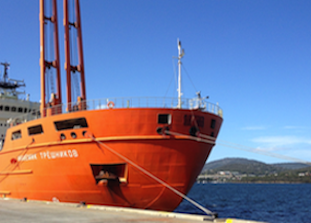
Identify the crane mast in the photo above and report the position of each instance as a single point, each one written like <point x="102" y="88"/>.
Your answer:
<point x="45" y="64"/>
<point x="68" y="65"/>
<point x="56" y="97"/>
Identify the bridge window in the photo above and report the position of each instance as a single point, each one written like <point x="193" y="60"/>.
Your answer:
<point x="16" y="135"/>
<point x="71" y="124"/>
<point x="1" y="107"/>
<point x="6" y="108"/>
<point x="13" y="109"/>
<point x="20" y="109"/>
<point x="35" y="130"/>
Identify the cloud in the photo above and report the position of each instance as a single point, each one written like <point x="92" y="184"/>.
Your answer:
<point x="254" y="128"/>
<point x="276" y="141"/>
<point x="290" y="148"/>
<point x="293" y="127"/>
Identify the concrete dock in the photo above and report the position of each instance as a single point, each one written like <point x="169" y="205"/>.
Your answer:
<point x="13" y="210"/>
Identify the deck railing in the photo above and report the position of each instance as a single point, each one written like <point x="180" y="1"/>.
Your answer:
<point x="130" y="102"/>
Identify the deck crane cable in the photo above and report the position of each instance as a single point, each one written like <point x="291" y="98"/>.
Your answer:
<point x="51" y="49"/>
<point x="174" y="76"/>
<point x="208" y="212"/>
<point x="74" y="53"/>
<point x="183" y="66"/>
<point x="46" y="73"/>
<point x="74" y="91"/>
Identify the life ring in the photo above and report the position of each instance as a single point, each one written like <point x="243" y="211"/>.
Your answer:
<point x="110" y="104"/>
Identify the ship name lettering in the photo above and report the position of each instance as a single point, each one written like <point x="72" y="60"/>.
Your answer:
<point x="27" y="157"/>
<point x="59" y="154"/>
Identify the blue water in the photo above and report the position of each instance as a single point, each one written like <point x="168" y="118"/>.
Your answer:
<point x="273" y="203"/>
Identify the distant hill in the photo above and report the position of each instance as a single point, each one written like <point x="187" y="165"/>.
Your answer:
<point x="292" y="166"/>
<point x="246" y="166"/>
<point x="227" y="161"/>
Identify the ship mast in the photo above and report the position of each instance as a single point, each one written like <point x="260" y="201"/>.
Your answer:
<point x="68" y="66"/>
<point x="181" y="53"/>
<point x="56" y="98"/>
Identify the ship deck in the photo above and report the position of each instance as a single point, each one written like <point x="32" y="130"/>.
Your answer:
<point x="14" y="210"/>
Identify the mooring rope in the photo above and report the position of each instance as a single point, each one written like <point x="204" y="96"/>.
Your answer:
<point x="21" y="154"/>
<point x="208" y="212"/>
<point x="211" y="140"/>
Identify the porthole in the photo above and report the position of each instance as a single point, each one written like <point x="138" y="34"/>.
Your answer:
<point x="62" y="136"/>
<point x="73" y="135"/>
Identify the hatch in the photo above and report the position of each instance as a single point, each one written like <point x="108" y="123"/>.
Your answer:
<point x="105" y="173"/>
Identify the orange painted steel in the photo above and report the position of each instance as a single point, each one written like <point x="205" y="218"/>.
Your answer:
<point x="63" y="168"/>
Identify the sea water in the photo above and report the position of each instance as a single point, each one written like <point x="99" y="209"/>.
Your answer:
<point x="273" y="203"/>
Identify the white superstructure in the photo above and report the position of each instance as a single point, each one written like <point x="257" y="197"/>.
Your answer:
<point x="11" y="105"/>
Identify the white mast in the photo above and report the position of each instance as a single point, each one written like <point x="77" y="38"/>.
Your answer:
<point x="181" y="53"/>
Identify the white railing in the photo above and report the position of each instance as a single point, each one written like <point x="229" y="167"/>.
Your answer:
<point x="131" y="102"/>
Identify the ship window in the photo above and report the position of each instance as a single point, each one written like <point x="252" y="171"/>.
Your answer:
<point x="25" y="110"/>
<point x="213" y="123"/>
<point x="71" y="124"/>
<point x="16" y="135"/>
<point x="13" y="109"/>
<point x="20" y="109"/>
<point x="35" y="130"/>
<point x="6" y="108"/>
<point x="164" y="119"/>
<point x="1" y="143"/>
<point x="1" y="107"/>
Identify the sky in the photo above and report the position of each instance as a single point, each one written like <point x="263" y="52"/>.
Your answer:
<point x="252" y="57"/>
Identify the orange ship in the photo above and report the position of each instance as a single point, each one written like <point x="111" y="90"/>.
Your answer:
<point x="120" y="152"/>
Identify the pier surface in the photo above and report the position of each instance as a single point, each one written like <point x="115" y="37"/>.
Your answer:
<point x="13" y="210"/>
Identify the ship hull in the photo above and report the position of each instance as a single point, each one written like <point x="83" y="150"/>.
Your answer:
<point x="118" y="157"/>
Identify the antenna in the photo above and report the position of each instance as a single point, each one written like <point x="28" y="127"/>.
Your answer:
<point x="181" y="53"/>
